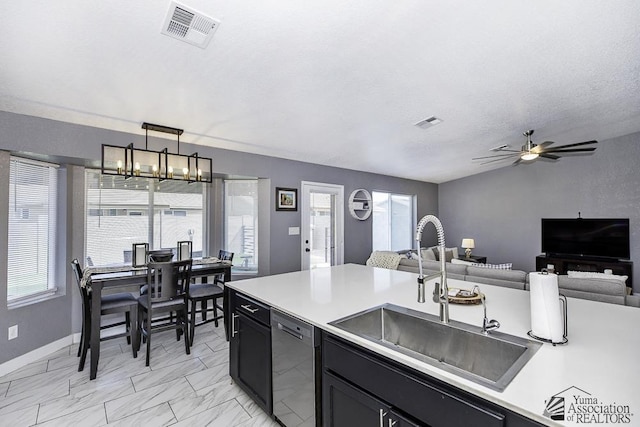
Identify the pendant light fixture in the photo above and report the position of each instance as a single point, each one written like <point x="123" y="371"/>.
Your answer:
<point x="135" y="162"/>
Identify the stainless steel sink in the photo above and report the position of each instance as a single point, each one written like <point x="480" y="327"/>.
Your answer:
<point x="491" y="360"/>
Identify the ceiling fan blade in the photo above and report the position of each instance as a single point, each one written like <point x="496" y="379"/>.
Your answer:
<point x="540" y="147"/>
<point x="494" y="160"/>
<point x="518" y="160"/>
<point x="577" y="144"/>
<point x="508" y="153"/>
<point x="549" y="156"/>
<point x="497" y="155"/>
<point x="573" y="150"/>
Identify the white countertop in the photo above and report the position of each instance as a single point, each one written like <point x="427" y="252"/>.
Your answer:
<point x="601" y="357"/>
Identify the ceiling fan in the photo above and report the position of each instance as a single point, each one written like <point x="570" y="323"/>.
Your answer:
<point x="531" y="151"/>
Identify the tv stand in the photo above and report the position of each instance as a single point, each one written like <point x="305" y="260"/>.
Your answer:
<point x="564" y="263"/>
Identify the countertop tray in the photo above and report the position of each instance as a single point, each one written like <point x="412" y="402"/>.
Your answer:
<point x="465" y="296"/>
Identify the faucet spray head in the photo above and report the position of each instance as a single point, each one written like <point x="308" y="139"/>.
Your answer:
<point x="421" y="288"/>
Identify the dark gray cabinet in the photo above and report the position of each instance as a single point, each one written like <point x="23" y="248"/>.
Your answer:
<point x="250" y="348"/>
<point x="361" y="385"/>
<point x="350" y="406"/>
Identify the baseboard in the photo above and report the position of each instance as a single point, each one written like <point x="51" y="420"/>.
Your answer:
<point x="37" y="354"/>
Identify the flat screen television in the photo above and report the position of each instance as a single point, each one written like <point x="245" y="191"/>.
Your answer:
<point x="592" y="237"/>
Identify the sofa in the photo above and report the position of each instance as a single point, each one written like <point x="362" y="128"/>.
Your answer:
<point x="515" y="279"/>
<point x="591" y="286"/>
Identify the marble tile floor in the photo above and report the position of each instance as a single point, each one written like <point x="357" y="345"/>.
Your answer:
<point x="176" y="390"/>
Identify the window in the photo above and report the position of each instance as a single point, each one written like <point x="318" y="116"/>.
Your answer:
<point x="32" y="229"/>
<point x="241" y="224"/>
<point x="393" y="221"/>
<point x="121" y="212"/>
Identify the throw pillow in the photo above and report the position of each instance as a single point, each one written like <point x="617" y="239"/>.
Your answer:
<point x="384" y="259"/>
<point x="427" y="254"/>
<point x="449" y="253"/>
<point x="461" y="261"/>
<point x="405" y="253"/>
<point x="594" y="275"/>
<point x="504" y="266"/>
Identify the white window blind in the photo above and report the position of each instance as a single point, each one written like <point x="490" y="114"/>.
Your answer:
<point x="32" y="229"/>
<point x="121" y="212"/>
<point x="393" y="221"/>
<point x="241" y="224"/>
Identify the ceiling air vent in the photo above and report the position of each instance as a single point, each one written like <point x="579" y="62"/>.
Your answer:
<point x="189" y="25"/>
<point x="428" y="122"/>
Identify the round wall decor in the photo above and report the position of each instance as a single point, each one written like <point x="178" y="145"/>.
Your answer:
<point x="360" y="204"/>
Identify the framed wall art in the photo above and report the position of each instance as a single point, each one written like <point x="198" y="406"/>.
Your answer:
<point x="286" y="199"/>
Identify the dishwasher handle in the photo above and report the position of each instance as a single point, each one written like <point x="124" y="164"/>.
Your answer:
<point x="290" y="331"/>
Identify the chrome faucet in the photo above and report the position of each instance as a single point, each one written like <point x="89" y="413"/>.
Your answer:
<point x="441" y="291"/>
<point x="487" y="325"/>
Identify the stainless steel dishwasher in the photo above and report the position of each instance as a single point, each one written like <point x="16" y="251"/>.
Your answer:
<point x="295" y="367"/>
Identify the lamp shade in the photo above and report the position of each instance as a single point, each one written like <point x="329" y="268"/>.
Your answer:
<point x="468" y="243"/>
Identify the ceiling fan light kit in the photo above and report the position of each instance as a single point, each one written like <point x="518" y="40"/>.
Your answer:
<point x="531" y="151"/>
<point x="527" y="150"/>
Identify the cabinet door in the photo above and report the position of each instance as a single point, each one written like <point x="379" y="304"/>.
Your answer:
<point x="345" y="406"/>
<point x="396" y="419"/>
<point x="250" y="359"/>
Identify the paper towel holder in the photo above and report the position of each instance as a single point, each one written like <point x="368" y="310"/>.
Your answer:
<point x="564" y="340"/>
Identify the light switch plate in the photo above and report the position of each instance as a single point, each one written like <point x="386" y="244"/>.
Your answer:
<point x="294" y="231"/>
<point x="13" y="332"/>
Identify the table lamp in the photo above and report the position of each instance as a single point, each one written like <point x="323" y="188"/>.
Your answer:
<point x="468" y="244"/>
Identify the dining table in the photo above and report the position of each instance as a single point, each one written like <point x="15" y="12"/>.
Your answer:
<point x="103" y="278"/>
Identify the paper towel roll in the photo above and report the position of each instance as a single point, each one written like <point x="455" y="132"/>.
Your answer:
<point x="546" y="316"/>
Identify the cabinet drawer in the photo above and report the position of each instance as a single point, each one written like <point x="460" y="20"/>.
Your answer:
<point x="427" y="401"/>
<point x="253" y="309"/>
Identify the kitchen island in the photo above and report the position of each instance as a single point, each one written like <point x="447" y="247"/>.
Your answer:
<point x="596" y="371"/>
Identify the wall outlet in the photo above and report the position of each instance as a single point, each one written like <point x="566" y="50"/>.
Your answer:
<point x="13" y="332"/>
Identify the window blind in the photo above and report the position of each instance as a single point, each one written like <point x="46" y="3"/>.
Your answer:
<point x="241" y="224"/>
<point x="121" y="212"/>
<point x="32" y="228"/>
<point x="393" y="221"/>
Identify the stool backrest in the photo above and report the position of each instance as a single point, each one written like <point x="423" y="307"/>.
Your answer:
<point x="225" y="256"/>
<point x="77" y="272"/>
<point x="168" y="280"/>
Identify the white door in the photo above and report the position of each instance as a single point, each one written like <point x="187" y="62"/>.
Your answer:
<point x="322" y="225"/>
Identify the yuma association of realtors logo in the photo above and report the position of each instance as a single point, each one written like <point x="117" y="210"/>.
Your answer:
<point x="578" y="406"/>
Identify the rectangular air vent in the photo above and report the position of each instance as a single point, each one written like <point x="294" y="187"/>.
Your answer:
<point x="428" y="122"/>
<point x="186" y="24"/>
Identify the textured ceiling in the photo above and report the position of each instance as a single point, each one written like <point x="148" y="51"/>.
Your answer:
<point x="335" y="82"/>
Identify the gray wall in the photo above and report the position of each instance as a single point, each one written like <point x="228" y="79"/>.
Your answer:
<point x="45" y="322"/>
<point x="81" y="145"/>
<point x="502" y="209"/>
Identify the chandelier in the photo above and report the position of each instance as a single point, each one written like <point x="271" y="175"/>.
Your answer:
<point x="135" y="162"/>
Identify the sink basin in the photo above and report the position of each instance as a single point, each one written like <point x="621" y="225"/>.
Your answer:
<point x="491" y="360"/>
